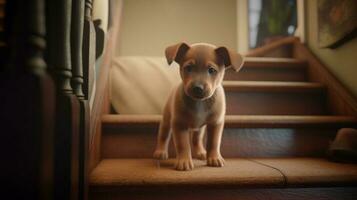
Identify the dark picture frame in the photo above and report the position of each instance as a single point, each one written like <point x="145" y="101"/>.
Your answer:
<point x="337" y="22"/>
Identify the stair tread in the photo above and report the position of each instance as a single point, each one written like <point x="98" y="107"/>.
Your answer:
<point x="284" y="121"/>
<point x="266" y="62"/>
<point x="270" y="69"/>
<point x="313" y="171"/>
<point x="271" y="86"/>
<point x="238" y="172"/>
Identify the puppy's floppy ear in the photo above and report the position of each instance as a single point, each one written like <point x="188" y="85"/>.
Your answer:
<point x="176" y="52"/>
<point x="230" y="58"/>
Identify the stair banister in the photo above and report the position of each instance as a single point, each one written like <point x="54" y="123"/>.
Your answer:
<point x="67" y="105"/>
<point x="77" y="26"/>
<point x="88" y="50"/>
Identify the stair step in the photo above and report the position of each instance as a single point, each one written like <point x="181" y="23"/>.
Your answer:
<point x="150" y="173"/>
<point x="275" y="98"/>
<point x="145" y="176"/>
<point x="244" y="136"/>
<point x="271" y="86"/>
<point x="269" y="69"/>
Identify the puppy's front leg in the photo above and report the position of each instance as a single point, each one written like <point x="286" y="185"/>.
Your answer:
<point x="214" y="137"/>
<point x="163" y="140"/>
<point x="183" y="150"/>
<point x="198" y="146"/>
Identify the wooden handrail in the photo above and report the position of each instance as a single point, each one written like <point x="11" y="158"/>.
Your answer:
<point x="101" y="104"/>
<point x="261" y="51"/>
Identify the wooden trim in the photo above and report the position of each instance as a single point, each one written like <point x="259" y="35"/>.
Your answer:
<point x="99" y="100"/>
<point x="242" y="26"/>
<point x="101" y="103"/>
<point x="162" y="193"/>
<point x="340" y="100"/>
<point x="266" y="49"/>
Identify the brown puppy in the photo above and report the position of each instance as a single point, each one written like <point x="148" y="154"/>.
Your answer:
<point x="198" y="103"/>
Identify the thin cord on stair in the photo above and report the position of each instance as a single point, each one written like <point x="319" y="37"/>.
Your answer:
<point x="266" y="165"/>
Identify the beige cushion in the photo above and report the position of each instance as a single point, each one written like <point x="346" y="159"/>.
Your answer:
<point x="141" y="85"/>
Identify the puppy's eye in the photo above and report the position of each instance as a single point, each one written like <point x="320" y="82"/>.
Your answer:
<point x="189" y="68"/>
<point x="212" y="71"/>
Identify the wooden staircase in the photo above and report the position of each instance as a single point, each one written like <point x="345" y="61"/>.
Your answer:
<point x="282" y="115"/>
<point x="280" y="121"/>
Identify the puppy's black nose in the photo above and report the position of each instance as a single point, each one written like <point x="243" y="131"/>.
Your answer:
<point x="198" y="90"/>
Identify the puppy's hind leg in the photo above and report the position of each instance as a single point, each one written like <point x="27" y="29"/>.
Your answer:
<point x="163" y="138"/>
<point x="197" y="140"/>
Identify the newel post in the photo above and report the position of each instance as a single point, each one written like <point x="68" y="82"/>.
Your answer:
<point x="27" y="108"/>
<point x="67" y="105"/>
<point x="77" y="84"/>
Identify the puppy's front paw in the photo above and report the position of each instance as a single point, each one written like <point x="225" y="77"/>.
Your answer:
<point x="201" y="155"/>
<point x="161" y="155"/>
<point x="184" y="164"/>
<point x="215" y="161"/>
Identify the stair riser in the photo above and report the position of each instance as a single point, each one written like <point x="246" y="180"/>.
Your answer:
<point x="266" y="74"/>
<point x="237" y="142"/>
<point x="275" y="103"/>
<point x="225" y="194"/>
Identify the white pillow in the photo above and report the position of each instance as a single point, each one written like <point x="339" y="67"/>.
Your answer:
<point x="141" y="85"/>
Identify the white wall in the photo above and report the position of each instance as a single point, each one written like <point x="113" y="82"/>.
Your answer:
<point x="340" y="61"/>
<point x="148" y="26"/>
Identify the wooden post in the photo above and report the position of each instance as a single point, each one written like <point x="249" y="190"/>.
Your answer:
<point x="77" y="84"/>
<point x="3" y="52"/>
<point x="27" y="106"/>
<point x="88" y="50"/>
<point x="67" y="105"/>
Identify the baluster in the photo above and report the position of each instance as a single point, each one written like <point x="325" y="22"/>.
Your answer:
<point x="88" y="50"/>
<point x="77" y="83"/>
<point x="67" y="105"/>
<point x="77" y="26"/>
<point x="27" y="105"/>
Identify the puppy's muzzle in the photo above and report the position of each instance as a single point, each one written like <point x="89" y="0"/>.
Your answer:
<point x="198" y="91"/>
